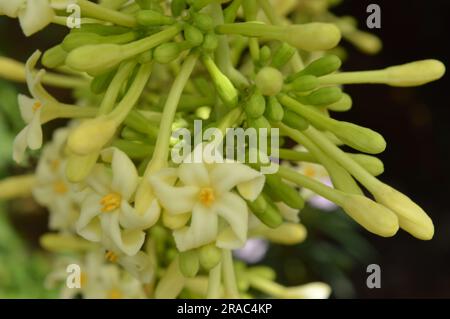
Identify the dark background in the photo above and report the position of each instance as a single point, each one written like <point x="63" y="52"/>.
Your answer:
<point x="414" y="122"/>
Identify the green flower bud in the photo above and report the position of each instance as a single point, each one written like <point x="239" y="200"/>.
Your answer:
<point x="100" y="29"/>
<point x="211" y="42"/>
<point x="209" y="256"/>
<point x="282" y="55"/>
<point x="263" y="272"/>
<point x="177" y="7"/>
<point x="269" y="81"/>
<point x="189" y="263"/>
<point x="145" y="57"/>
<point x="266" y="211"/>
<point x="286" y="193"/>
<point x="344" y="104"/>
<point x="153" y="18"/>
<point x="95" y="59"/>
<point x="193" y="35"/>
<point x="370" y="163"/>
<point x="274" y="110"/>
<point x="323" y="96"/>
<point x="78" y="39"/>
<point x="411" y="217"/>
<point x="101" y="82"/>
<point x="259" y="123"/>
<point x="166" y="52"/>
<point x="225" y="89"/>
<point x="372" y="216"/>
<point x="415" y="73"/>
<point x="304" y="83"/>
<point x="359" y="138"/>
<point x="322" y="66"/>
<point x="203" y="21"/>
<point x="255" y="105"/>
<point x="286" y="234"/>
<point x="54" y="57"/>
<point x="295" y="121"/>
<point x="264" y="55"/>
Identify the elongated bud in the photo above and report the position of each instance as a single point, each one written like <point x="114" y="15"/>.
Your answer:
<point x="344" y="104"/>
<point x="415" y="73"/>
<point x="209" y="256"/>
<point x="91" y="135"/>
<point x="255" y="105"/>
<point x="166" y="52"/>
<point x="264" y="55"/>
<point x="322" y="66"/>
<point x="269" y="81"/>
<point x="282" y="55"/>
<point x="266" y="211"/>
<point x="310" y="37"/>
<point x="17" y="186"/>
<point x="54" y="57"/>
<point x="77" y="39"/>
<point x="283" y="191"/>
<point x="304" y="83"/>
<point x="100" y="83"/>
<point x="193" y="35"/>
<point x="360" y="138"/>
<point x="286" y="234"/>
<point x="370" y="163"/>
<point x="65" y="243"/>
<point x="95" y="59"/>
<point x="323" y="96"/>
<point x="274" y="110"/>
<point x="189" y="263"/>
<point x="372" y="216"/>
<point x="79" y="167"/>
<point x="294" y="120"/>
<point x="227" y="92"/>
<point x="153" y="18"/>
<point x="411" y="217"/>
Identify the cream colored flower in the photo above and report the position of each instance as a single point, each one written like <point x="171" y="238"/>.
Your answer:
<point x="205" y="192"/>
<point x="31" y="110"/>
<point x="52" y="188"/>
<point x="34" y="15"/>
<point x="106" y="211"/>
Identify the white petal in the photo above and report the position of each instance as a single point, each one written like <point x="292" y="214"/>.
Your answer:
<point x="11" y="8"/>
<point x="36" y="16"/>
<point x="26" y="107"/>
<point x="99" y="179"/>
<point x="130" y="219"/>
<point x="139" y="266"/>
<point x="125" y="176"/>
<point x="234" y="210"/>
<point x="20" y="145"/>
<point x="176" y="200"/>
<point x="194" y="174"/>
<point x="128" y="241"/>
<point x="202" y="231"/>
<point x="288" y="213"/>
<point x="88" y="225"/>
<point x="34" y="135"/>
<point x="226" y="176"/>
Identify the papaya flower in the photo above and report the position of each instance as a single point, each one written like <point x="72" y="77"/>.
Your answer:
<point x="107" y="213"/>
<point x="211" y="194"/>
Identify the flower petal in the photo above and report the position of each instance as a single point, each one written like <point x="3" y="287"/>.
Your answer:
<point x="125" y="176"/>
<point x="193" y="174"/>
<point x="202" y="231"/>
<point x="34" y="135"/>
<point x="130" y="219"/>
<point x="176" y="200"/>
<point x="139" y="266"/>
<point x="36" y="16"/>
<point x="288" y="213"/>
<point x="234" y="210"/>
<point x="128" y="241"/>
<point x="226" y="176"/>
<point x="26" y="107"/>
<point x="11" y="8"/>
<point x="88" y="225"/>
<point x="20" y="145"/>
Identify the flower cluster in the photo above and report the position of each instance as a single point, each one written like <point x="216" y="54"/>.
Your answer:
<point x="140" y="225"/>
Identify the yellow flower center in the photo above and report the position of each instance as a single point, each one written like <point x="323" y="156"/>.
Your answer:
<point x="115" y="294"/>
<point x="60" y="187"/>
<point x="36" y="106"/>
<point x="310" y="172"/>
<point x="111" y="256"/>
<point x="54" y="165"/>
<point x="207" y="196"/>
<point x="110" y="202"/>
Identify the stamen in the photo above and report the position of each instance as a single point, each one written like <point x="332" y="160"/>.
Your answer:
<point x="110" y="202"/>
<point x="111" y="256"/>
<point x="36" y="106"/>
<point x="60" y="187"/>
<point x="207" y="196"/>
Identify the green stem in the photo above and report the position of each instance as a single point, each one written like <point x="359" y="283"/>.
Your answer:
<point x="229" y="275"/>
<point x="70" y="111"/>
<point x="94" y="10"/>
<point x="266" y="286"/>
<point x="377" y="76"/>
<point x="214" y="282"/>
<point x="63" y="81"/>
